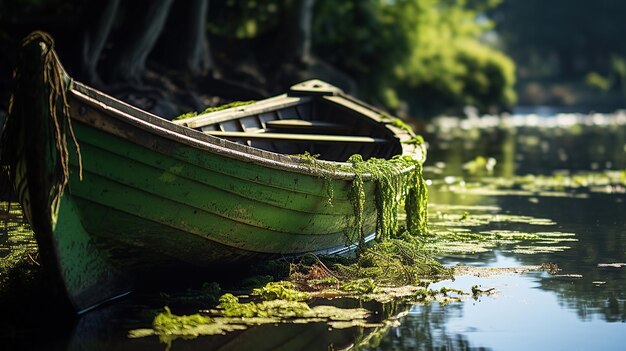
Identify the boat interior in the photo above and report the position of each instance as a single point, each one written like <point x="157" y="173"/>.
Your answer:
<point x="331" y="126"/>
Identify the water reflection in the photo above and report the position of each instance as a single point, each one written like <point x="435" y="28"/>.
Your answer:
<point x="583" y="307"/>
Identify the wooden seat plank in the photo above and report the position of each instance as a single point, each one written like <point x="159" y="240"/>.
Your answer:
<point x="302" y="124"/>
<point x="317" y="138"/>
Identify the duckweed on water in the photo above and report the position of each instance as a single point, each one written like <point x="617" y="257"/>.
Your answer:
<point x="231" y="307"/>
<point x="234" y="315"/>
<point x="453" y="231"/>
<point x="169" y="327"/>
<point x="560" y="184"/>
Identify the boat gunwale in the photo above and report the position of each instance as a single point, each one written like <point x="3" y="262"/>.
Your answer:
<point x="191" y="137"/>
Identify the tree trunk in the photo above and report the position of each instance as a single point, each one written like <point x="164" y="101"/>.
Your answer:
<point x="141" y="36"/>
<point x="99" y="22"/>
<point x="295" y="40"/>
<point x="184" y="44"/>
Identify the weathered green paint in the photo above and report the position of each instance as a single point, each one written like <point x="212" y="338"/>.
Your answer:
<point x="154" y="193"/>
<point x="82" y="264"/>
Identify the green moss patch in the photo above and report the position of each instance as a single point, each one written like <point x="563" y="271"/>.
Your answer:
<point x="214" y="109"/>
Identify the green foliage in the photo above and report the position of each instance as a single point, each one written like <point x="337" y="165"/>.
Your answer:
<point x="425" y="52"/>
<point x="563" y="38"/>
<point x="597" y="81"/>
<point x="244" y="19"/>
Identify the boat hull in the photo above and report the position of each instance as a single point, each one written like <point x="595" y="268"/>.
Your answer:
<point x="144" y="196"/>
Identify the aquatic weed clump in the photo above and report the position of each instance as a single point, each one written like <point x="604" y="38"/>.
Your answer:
<point x="396" y="262"/>
<point x="393" y="262"/>
<point x="281" y="290"/>
<point x="168" y="323"/>
<point x="231" y="307"/>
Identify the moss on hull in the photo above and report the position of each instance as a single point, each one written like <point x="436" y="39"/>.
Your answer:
<point x="214" y="109"/>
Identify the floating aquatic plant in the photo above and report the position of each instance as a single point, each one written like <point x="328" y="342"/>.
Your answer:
<point x="281" y="290"/>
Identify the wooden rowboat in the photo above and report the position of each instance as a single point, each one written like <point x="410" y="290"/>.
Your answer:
<point x="113" y="192"/>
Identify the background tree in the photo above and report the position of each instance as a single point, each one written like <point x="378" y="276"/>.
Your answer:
<point x="419" y="57"/>
<point x="427" y="55"/>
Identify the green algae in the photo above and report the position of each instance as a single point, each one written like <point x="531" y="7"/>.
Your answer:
<point x="281" y="290"/>
<point x="398" y="123"/>
<point x="233" y="315"/>
<point x="321" y="170"/>
<point x="169" y="327"/>
<point x="20" y="267"/>
<point x="537" y="249"/>
<point x="456" y="230"/>
<point x="214" y="109"/>
<point x="378" y="278"/>
<point x="231" y="307"/>
<point x="394" y="186"/>
<point x="477" y="292"/>
<point x="462" y="242"/>
<point x="443" y="295"/>
<point x="559" y="184"/>
<point x="360" y="286"/>
<point x="185" y="116"/>
<point x="394" y="262"/>
<point x="399" y="181"/>
<point x="19" y="271"/>
<point x="484" y="272"/>
<point x="168" y="323"/>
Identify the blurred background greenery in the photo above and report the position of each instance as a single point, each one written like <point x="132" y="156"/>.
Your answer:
<point x="416" y="58"/>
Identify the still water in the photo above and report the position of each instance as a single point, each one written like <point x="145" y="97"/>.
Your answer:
<point x="582" y="307"/>
<point x="555" y="184"/>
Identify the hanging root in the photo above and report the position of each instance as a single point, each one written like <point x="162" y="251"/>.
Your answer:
<point x="39" y="90"/>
